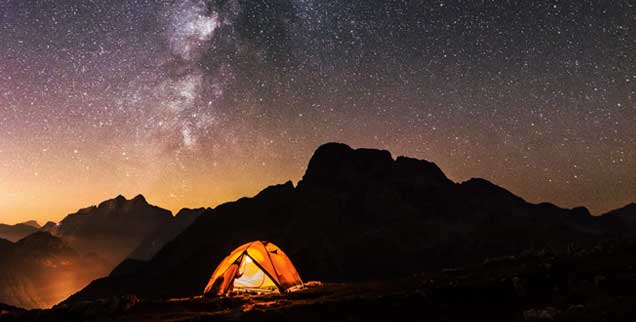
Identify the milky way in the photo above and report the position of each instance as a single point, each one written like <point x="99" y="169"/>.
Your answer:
<point x="194" y="102"/>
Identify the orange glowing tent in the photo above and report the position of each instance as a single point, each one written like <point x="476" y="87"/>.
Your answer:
<point x="256" y="266"/>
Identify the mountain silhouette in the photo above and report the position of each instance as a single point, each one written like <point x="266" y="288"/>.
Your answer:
<point x="359" y="214"/>
<point x="621" y="220"/>
<point x="8" y="309"/>
<point x="16" y="232"/>
<point x="115" y="229"/>
<point x="626" y="214"/>
<point x="50" y="226"/>
<point x="165" y="233"/>
<point x="40" y="270"/>
<point x="32" y="223"/>
<point x="112" y="229"/>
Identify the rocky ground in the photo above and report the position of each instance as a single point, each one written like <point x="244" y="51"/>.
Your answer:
<point x="591" y="284"/>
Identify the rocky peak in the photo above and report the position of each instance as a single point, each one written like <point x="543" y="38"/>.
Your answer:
<point x="187" y="212"/>
<point x="40" y="241"/>
<point x="49" y="226"/>
<point x="31" y="223"/>
<point x="140" y="199"/>
<point x="338" y="165"/>
<point x="16" y="232"/>
<point x="626" y="212"/>
<point x="117" y="215"/>
<point x="116" y="202"/>
<point x="418" y="172"/>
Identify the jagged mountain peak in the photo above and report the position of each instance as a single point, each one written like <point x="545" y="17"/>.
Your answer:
<point x="140" y="198"/>
<point x="115" y="214"/>
<point x="49" y="226"/>
<point x="337" y="164"/>
<point x="31" y="223"/>
<point x="42" y="242"/>
<point x="16" y="232"/>
<point x="113" y="228"/>
<point x="121" y="201"/>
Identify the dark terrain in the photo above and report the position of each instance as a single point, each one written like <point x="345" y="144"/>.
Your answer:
<point x="438" y="249"/>
<point x="589" y="284"/>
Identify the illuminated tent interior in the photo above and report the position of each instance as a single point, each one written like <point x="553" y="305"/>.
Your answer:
<point x="258" y="266"/>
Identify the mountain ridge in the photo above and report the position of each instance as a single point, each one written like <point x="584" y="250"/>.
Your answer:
<point x="353" y="206"/>
<point x="16" y="232"/>
<point x="359" y="197"/>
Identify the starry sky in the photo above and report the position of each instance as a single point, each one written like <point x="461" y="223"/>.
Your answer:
<point x="197" y="102"/>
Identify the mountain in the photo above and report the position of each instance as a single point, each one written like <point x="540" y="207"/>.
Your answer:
<point x="112" y="229"/>
<point x="32" y="223"/>
<point x="40" y="270"/>
<point x="49" y="263"/>
<point x="165" y="233"/>
<point x="50" y="227"/>
<point x="626" y="214"/>
<point x="359" y="214"/>
<point x="622" y="219"/>
<point x="9" y="310"/>
<point x="16" y="232"/>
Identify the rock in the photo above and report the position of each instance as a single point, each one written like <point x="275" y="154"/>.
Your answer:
<point x="548" y="313"/>
<point x="16" y="232"/>
<point x="518" y="285"/>
<point x="114" y="228"/>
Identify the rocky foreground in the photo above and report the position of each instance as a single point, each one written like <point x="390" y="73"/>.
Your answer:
<point x="597" y="283"/>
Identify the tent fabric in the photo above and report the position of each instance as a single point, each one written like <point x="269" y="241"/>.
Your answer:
<point x="258" y="265"/>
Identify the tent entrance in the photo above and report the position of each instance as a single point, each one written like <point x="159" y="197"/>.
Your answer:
<point x="250" y="277"/>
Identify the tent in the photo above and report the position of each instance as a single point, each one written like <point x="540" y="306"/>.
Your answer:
<point x="256" y="266"/>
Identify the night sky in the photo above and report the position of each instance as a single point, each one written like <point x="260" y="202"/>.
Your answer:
<point x="193" y="103"/>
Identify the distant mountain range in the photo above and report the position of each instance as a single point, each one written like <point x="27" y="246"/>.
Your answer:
<point x="359" y="214"/>
<point x="41" y="270"/>
<point x="47" y="264"/>
<point x="114" y="228"/>
<point x="18" y="231"/>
